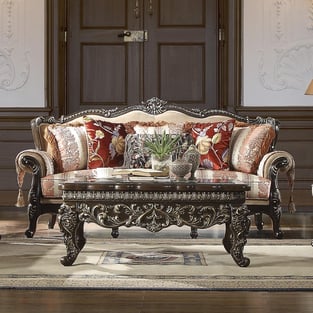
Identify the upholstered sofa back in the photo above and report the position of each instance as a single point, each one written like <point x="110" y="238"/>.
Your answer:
<point x="249" y="141"/>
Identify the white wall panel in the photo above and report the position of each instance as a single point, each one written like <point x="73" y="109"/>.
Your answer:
<point x="22" y="53"/>
<point x="277" y="52"/>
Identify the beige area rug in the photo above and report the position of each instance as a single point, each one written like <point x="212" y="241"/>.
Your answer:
<point x="142" y="262"/>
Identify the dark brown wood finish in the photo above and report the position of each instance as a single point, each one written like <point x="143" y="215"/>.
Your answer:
<point x="178" y="62"/>
<point x="154" y="205"/>
<point x="180" y="57"/>
<point x="145" y="301"/>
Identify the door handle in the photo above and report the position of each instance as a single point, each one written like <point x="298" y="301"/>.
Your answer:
<point x="124" y="34"/>
<point x="134" y="35"/>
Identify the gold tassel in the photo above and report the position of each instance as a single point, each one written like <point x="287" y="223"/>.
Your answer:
<point x="20" y="199"/>
<point x="291" y="205"/>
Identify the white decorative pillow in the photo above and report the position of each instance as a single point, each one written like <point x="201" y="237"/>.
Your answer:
<point x="169" y="128"/>
<point x="150" y="128"/>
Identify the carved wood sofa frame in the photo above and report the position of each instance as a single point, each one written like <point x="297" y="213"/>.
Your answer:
<point x="34" y="161"/>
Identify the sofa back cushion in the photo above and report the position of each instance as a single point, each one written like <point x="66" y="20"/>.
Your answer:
<point x="212" y="141"/>
<point x="106" y="143"/>
<point x="249" y="145"/>
<point x="67" y="146"/>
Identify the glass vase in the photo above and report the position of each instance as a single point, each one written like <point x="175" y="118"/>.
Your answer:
<point x="162" y="164"/>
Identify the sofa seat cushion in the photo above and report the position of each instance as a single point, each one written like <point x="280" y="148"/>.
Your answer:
<point x="50" y="183"/>
<point x="260" y="186"/>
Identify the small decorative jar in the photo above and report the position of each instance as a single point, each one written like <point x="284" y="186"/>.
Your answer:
<point x="192" y="155"/>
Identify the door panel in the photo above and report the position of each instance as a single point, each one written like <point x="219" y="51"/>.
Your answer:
<point x="182" y="13"/>
<point x="183" y="73"/>
<point x="100" y="72"/>
<point x="104" y="14"/>
<point x="104" y="63"/>
<point x="177" y="63"/>
<point x="180" y="60"/>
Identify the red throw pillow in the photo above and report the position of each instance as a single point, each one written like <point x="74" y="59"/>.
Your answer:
<point x="212" y="141"/>
<point x="106" y="143"/>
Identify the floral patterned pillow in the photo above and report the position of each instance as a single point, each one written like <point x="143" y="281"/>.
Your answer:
<point x="106" y="143"/>
<point x="212" y="141"/>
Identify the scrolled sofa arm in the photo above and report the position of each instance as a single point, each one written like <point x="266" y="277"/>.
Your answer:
<point x="36" y="162"/>
<point x="272" y="164"/>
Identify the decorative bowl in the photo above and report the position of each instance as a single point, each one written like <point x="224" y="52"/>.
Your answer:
<point x="180" y="168"/>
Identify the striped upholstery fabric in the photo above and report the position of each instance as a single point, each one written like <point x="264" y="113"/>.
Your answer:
<point x="260" y="186"/>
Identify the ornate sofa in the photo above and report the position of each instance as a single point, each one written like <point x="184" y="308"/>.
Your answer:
<point x="231" y="146"/>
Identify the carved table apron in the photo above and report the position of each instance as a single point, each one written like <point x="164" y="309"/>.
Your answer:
<point x="154" y="205"/>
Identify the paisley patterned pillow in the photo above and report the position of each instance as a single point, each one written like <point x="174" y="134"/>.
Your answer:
<point x="67" y="146"/>
<point x="106" y="143"/>
<point x="249" y="145"/>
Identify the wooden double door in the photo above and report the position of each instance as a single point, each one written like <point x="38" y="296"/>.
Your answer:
<point x="123" y="52"/>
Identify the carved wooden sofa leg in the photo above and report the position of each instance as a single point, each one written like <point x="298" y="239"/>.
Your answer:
<point x="33" y="215"/>
<point x="275" y="215"/>
<point x="258" y="220"/>
<point x="52" y="221"/>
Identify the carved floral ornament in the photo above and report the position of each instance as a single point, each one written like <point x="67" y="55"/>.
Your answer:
<point x="14" y="64"/>
<point x="286" y="60"/>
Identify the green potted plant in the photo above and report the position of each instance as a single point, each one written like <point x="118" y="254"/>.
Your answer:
<point x="161" y="146"/>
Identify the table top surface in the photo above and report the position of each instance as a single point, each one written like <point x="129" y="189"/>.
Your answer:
<point x="153" y="184"/>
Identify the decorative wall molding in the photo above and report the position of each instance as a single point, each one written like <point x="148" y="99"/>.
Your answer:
<point x="14" y="64"/>
<point x="310" y="16"/>
<point x="22" y="53"/>
<point x="290" y="68"/>
<point x="278" y="52"/>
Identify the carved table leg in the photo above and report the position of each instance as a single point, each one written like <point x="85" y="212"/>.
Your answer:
<point x="72" y="229"/>
<point x="115" y="233"/>
<point x="193" y="232"/>
<point x="239" y="228"/>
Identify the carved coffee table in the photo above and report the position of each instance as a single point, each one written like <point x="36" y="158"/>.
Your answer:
<point x="154" y="205"/>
